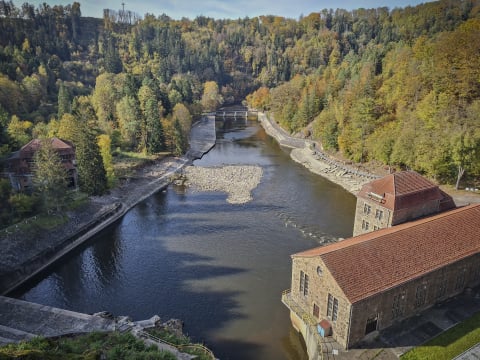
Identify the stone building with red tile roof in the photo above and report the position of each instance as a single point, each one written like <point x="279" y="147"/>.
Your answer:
<point x="397" y="198"/>
<point x="369" y="282"/>
<point x="19" y="167"/>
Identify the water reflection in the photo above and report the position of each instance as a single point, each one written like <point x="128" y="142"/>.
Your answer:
<point x="219" y="267"/>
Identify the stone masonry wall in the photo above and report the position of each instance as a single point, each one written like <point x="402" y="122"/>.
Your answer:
<point x="368" y="212"/>
<point x="321" y="283"/>
<point x="414" y="297"/>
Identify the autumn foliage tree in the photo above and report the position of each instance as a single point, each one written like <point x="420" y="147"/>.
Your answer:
<point x="211" y="98"/>
<point x="50" y="177"/>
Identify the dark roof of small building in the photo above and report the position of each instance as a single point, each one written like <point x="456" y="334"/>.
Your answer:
<point x="371" y="263"/>
<point x="404" y="189"/>
<point x="57" y="143"/>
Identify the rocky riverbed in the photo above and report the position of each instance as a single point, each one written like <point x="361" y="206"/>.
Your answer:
<point x="328" y="168"/>
<point x="237" y="181"/>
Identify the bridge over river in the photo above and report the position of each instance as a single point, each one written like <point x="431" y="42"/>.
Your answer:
<point x="234" y="113"/>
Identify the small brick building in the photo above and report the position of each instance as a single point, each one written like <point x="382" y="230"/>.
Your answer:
<point x="368" y="282"/>
<point x="19" y="167"/>
<point x="395" y="199"/>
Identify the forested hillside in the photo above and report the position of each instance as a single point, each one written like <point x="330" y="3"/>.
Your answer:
<point x="397" y="86"/>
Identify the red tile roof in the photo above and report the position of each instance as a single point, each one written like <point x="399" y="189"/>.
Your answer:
<point x="374" y="262"/>
<point x="402" y="190"/>
<point x="35" y="144"/>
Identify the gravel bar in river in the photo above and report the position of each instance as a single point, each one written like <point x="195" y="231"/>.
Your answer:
<point x="238" y="181"/>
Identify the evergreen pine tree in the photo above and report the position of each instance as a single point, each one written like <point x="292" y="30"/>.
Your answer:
<point x="63" y="101"/>
<point x="113" y="63"/>
<point x="155" y="137"/>
<point x="179" y="138"/>
<point x="92" y="176"/>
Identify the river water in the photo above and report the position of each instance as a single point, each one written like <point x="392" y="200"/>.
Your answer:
<point x="219" y="267"/>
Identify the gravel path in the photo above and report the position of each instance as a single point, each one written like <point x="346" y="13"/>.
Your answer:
<point x="237" y="181"/>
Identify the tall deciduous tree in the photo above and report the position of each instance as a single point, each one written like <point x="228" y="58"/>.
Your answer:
<point x="183" y="115"/>
<point x="211" y="98"/>
<point x="465" y="142"/>
<point x="50" y="177"/>
<point x="105" y="145"/>
<point x="19" y="131"/>
<point x="103" y="100"/>
<point x="68" y="128"/>
<point x="128" y="114"/>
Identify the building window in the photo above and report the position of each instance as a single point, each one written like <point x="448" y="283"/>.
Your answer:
<point x="316" y="310"/>
<point x="420" y="295"/>
<point x="367" y="209"/>
<point x="335" y="309"/>
<point x="319" y="270"/>
<point x="329" y="305"/>
<point x="442" y="288"/>
<point x="305" y="289"/>
<point x="332" y="307"/>
<point x="398" y="307"/>
<point x="371" y="324"/>
<point x="303" y="283"/>
<point x="476" y="274"/>
<point x="378" y="214"/>
<point x="460" y="280"/>
<point x="375" y="227"/>
<point x="365" y="225"/>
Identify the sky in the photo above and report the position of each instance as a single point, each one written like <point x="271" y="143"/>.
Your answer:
<point x="223" y="9"/>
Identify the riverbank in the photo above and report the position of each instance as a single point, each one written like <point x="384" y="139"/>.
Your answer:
<point x="27" y="250"/>
<point x="306" y="153"/>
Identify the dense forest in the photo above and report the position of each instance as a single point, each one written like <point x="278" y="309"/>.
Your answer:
<point x="400" y="87"/>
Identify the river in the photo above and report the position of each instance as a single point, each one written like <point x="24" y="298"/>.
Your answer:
<point x="219" y="267"/>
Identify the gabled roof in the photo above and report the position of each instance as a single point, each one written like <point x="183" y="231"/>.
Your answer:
<point x="402" y="190"/>
<point x="35" y="144"/>
<point x="377" y="261"/>
<point x="62" y="146"/>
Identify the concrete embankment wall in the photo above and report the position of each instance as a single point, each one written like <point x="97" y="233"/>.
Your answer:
<point x="27" y="270"/>
<point x="282" y="137"/>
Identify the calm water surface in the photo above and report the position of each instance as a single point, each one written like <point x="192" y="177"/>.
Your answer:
<point x="221" y="268"/>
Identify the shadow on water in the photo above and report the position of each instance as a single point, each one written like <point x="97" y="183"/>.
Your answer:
<point x="107" y="267"/>
<point x="219" y="267"/>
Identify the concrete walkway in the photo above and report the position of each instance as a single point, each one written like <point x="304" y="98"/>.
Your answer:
<point x="23" y="320"/>
<point x="471" y="354"/>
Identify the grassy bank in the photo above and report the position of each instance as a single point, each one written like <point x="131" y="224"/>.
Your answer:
<point x="450" y="343"/>
<point x="92" y="346"/>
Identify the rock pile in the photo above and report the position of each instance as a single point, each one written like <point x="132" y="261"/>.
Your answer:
<point x="237" y="181"/>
